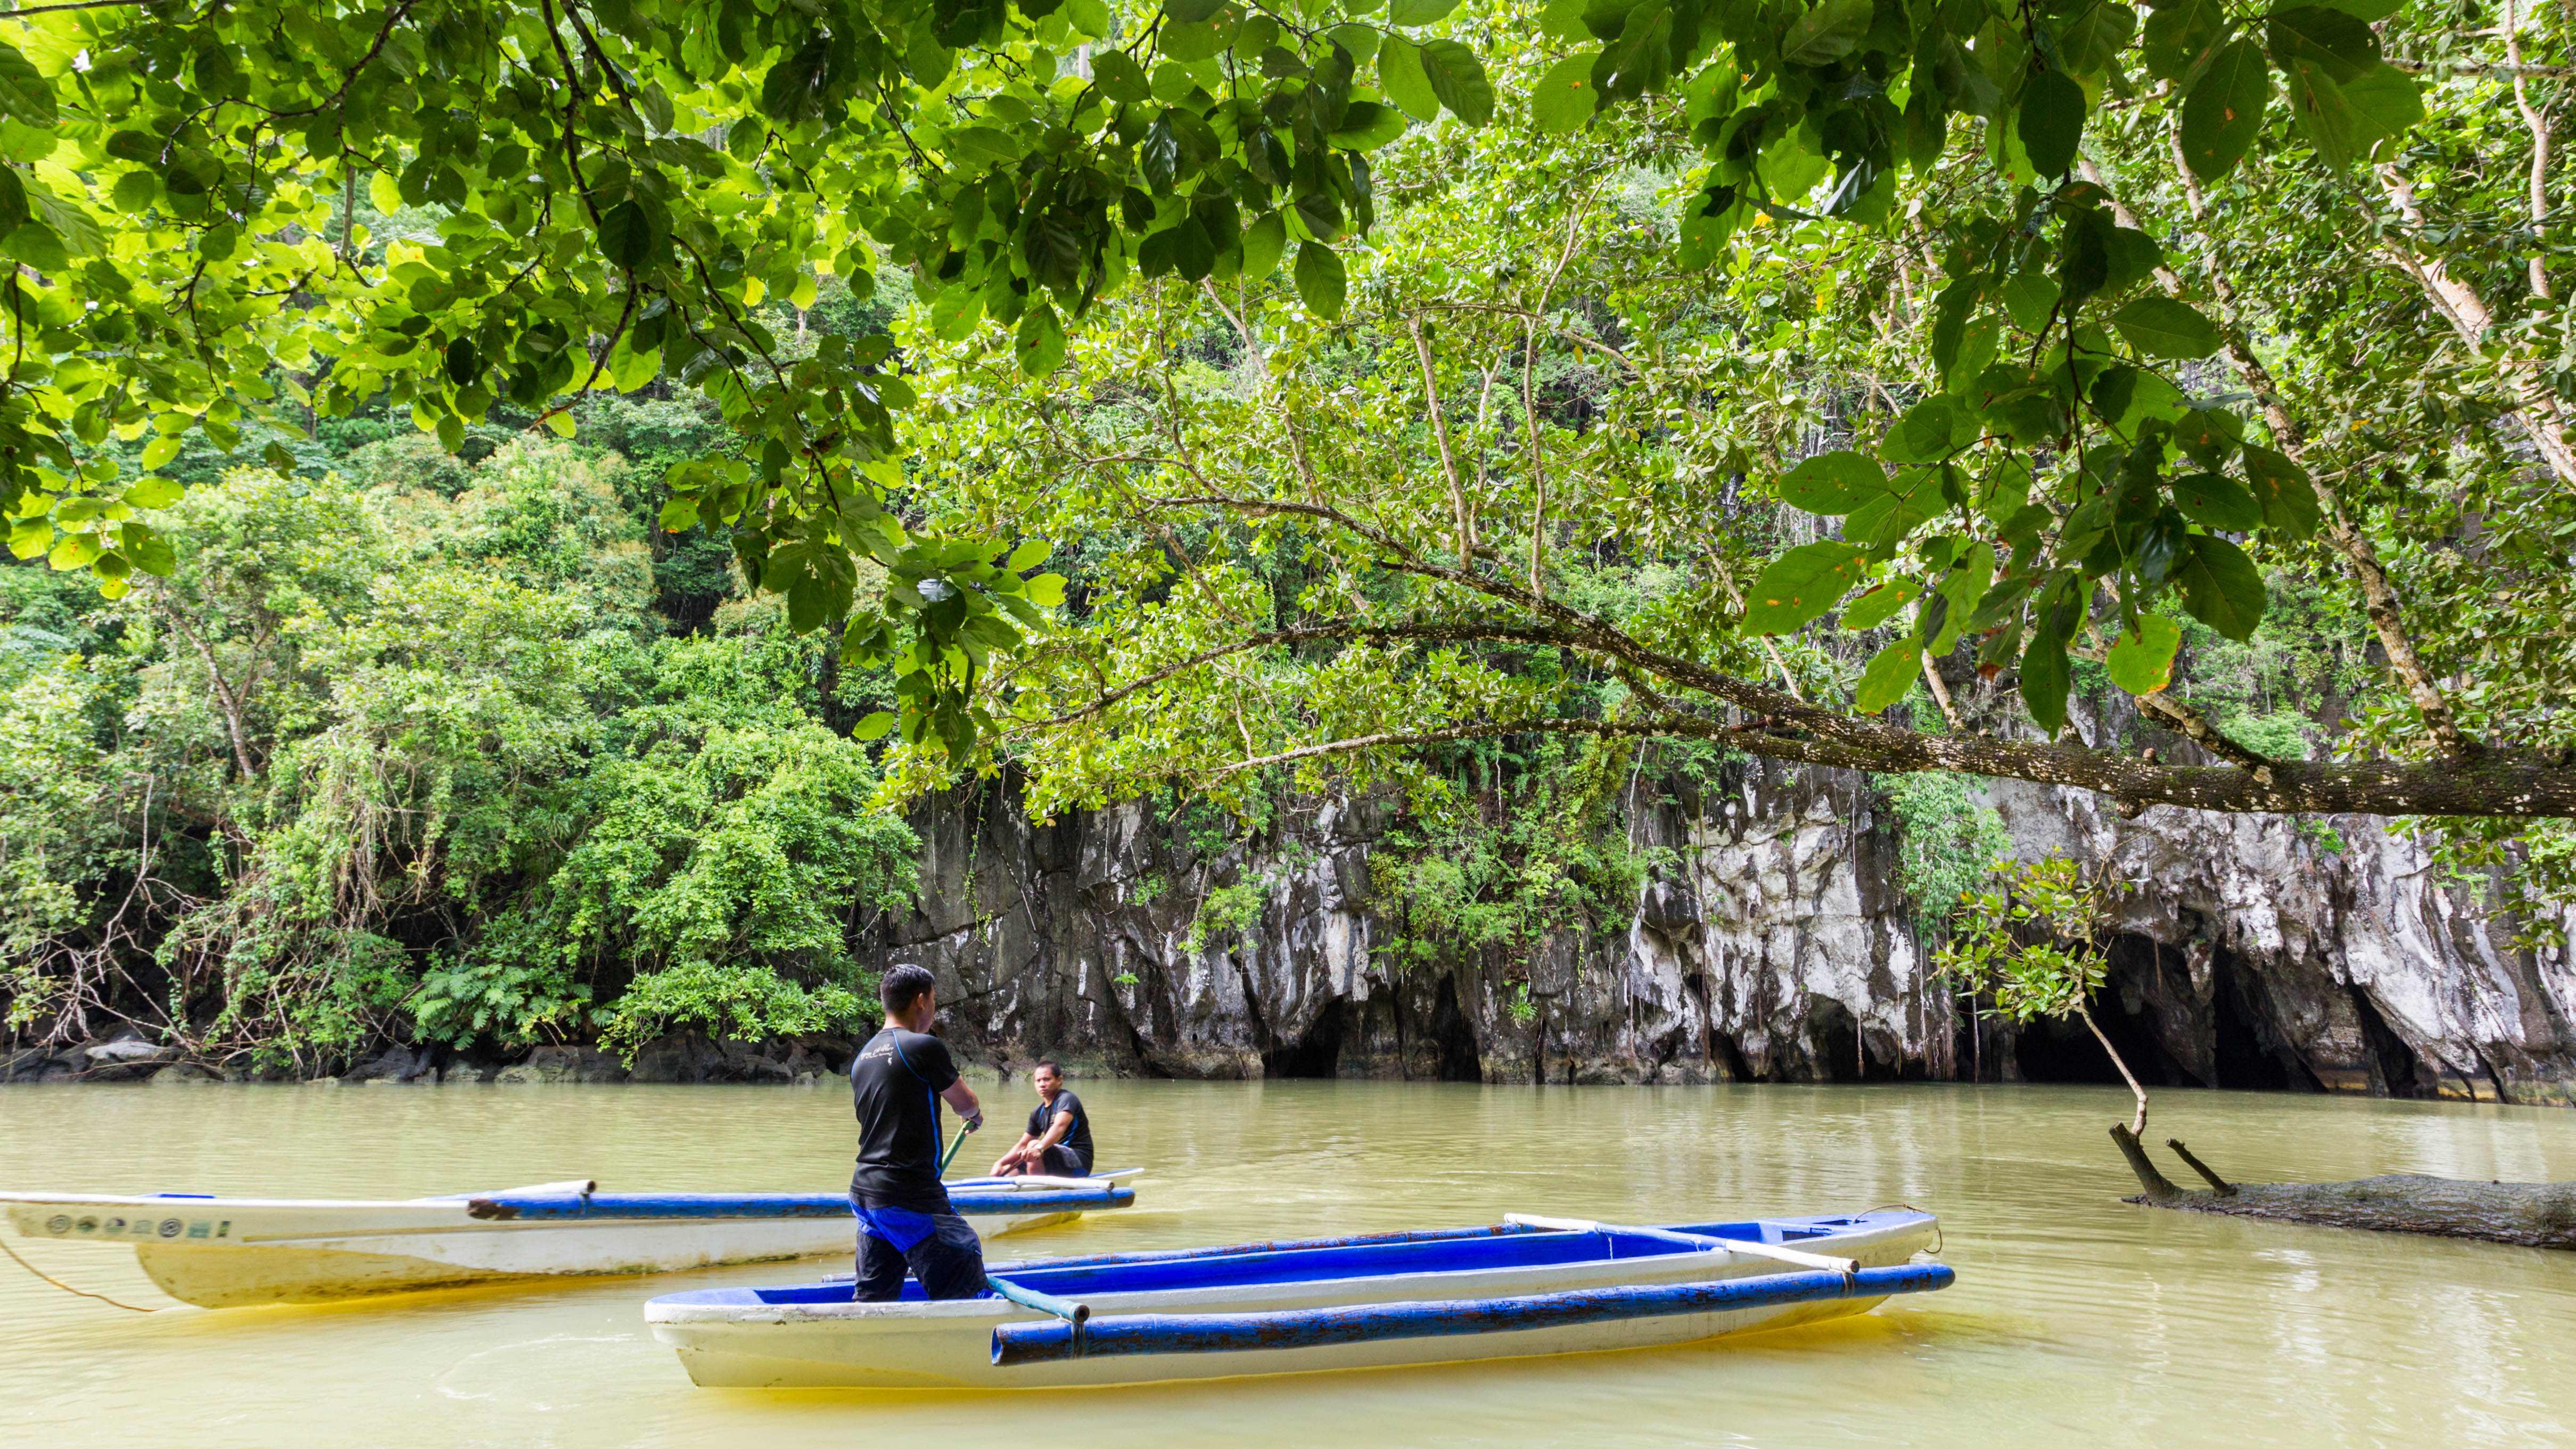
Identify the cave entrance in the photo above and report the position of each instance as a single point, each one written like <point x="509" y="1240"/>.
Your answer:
<point x="2247" y="1052"/>
<point x="1453" y="1037"/>
<point x="2401" y="1072"/>
<point x="1318" y="1052"/>
<point x="1842" y="1049"/>
<point x="2136" y="972"/>
<point x="2065" y="1051"/>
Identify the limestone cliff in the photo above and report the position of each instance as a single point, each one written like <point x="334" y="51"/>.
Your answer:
<point x="1778" y="950"/>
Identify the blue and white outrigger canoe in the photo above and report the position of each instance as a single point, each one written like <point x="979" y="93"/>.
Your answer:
<point x="221" y="1252"/>
<point x="1529" y="1287"/>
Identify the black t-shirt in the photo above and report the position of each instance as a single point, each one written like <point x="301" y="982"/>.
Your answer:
<point x="1079" y="1139"/>
<point x="895" y="1084"/>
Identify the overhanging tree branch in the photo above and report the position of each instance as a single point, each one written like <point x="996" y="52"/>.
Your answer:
<point x="2495" y="782"/>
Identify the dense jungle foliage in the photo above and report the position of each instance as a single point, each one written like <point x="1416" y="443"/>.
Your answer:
<point x="413" y="747"/>
<point x="1232" y="400"/>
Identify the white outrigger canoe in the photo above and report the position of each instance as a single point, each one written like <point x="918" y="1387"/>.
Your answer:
<point x="224" y="1252"/>
<point x="1529" y="1287"/>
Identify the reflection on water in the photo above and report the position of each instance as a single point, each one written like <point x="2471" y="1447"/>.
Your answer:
<point x="2075" y="1315"/>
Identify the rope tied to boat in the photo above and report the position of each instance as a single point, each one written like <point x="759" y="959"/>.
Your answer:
<point x="1938" y="1237"/>
<point x="66" y="1287"/>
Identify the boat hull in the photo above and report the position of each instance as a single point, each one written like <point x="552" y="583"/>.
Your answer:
<point x="948" y="1346"/>
<point x="238" y="1253"/>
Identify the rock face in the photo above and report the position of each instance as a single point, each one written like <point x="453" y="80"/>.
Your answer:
<point x="690" y="1056"/>
<point x="564" y="1064"/>
<point x="1776" y="948"/>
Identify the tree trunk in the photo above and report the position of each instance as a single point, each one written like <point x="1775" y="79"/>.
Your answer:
<point x="2530" y="1214"/>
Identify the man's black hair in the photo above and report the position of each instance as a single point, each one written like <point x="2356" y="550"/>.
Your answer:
<point x="902" y="986"/>
<point x="1048" y="1067"/>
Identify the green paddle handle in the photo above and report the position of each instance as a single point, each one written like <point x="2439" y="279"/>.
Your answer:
<point x="953" y="1148"/>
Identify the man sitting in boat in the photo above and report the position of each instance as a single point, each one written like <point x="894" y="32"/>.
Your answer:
<point x="905" y="1220"/>
<point x="1058" y="1142"/>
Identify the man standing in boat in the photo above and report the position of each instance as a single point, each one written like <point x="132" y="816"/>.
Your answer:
<point x="1058" y="1142"/>
<point x="905" y="1219"/>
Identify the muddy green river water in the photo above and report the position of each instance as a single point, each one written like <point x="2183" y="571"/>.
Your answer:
<point x="2076" y="1319"/>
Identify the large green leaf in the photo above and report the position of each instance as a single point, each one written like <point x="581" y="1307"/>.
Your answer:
<point x="1930" y="431"/>
<point x="25" y="96"/>
<point x="1833" y="483"/>
<point x="2030" y="296"/>
<point x="2083" y="256"/>
<point x="2224" y="112"/>
<point x="627" y="235"/>
<point x="2050" y="121"/>
<point x="1401" y="77"/>
<point x="1880" y="604"/>
<point x="82" y="236"/>
<point x="2346" y="120"/>
<point x="2133" y="256"/>
<point x="2163" y="327"/>
<point x="1367" y="125"/>
<point x="2221" y="587"/>
<point x="1119" y="77"/>
<point x="1978" y="342"/>
<point x="2043" y="681"/>
<point x="1889" y="676"/>
<point x="1263" y="242"/>
<point x="2213" y="501"/>
<point x="1040" y="343"/>
<point x="154" y="492"/>
<point x="1458" y="79"/>
<point x="1826" y="33"/>
<point x="2092" y="41"/>
<point x="1565" y="98"/>
<point x="1950" y="314"/>
<point x="1801" y="585"/>
<point x="13" y="200"/>
<point x="2141" y="659"/>
<point x="1410" y="13"/>
<point x="2283" y="489"/>
<point x="2337" y="42"/>
<point x="1908" y="499"/>
<point x="2181" y="35"/>
<point x="1321" y="280"/>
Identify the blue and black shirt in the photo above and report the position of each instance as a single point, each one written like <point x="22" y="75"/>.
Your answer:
<point x="895" y="1085"/>
<point x="1077" y="1141"/>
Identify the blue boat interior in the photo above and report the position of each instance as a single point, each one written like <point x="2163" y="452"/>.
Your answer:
<point x="1451" y="1251"/>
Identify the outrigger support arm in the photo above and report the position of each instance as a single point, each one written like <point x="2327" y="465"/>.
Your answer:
<point x="1071" y="1312"/>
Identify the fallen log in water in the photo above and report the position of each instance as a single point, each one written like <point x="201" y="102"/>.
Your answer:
<point x="2532" y="1214"/>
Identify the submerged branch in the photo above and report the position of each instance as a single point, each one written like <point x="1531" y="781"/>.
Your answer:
<point x="2529" y="1214"/>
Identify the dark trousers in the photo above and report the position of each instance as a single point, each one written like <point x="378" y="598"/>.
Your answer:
<point x="949" y="1263"/>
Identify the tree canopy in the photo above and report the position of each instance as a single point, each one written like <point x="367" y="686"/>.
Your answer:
<point x="2029" y="339"/>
